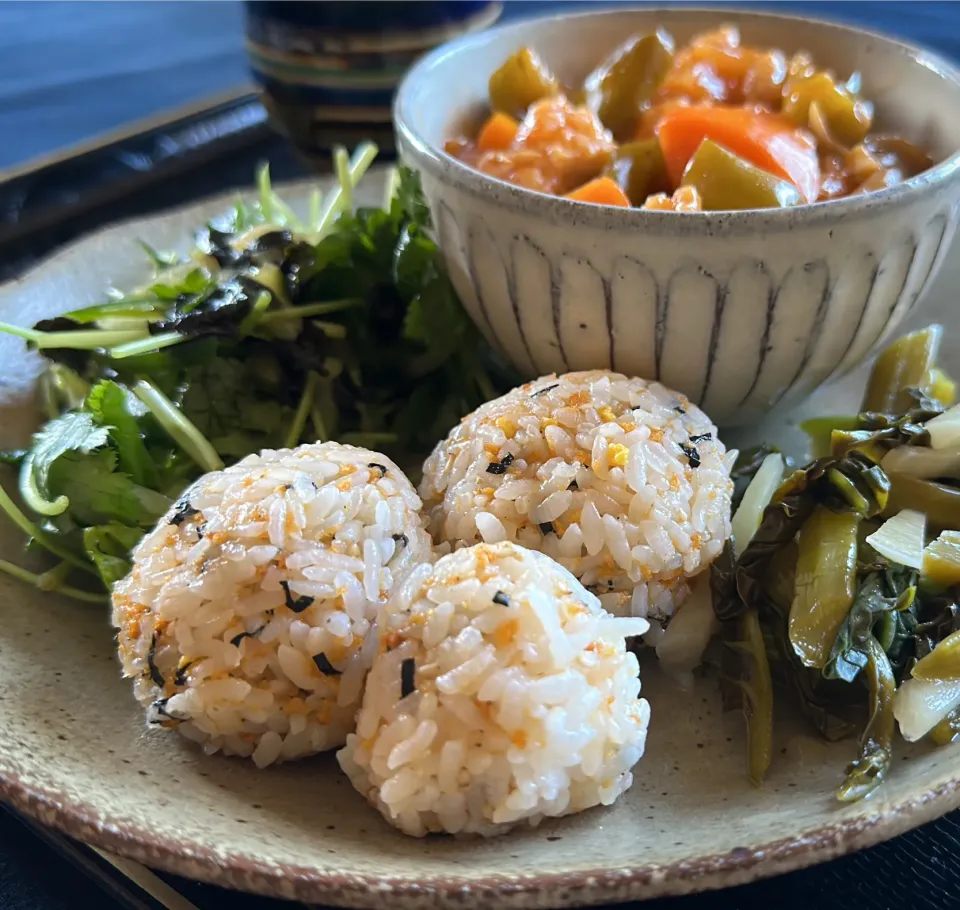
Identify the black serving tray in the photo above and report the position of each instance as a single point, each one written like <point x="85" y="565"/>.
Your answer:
<point x="162" y="162"/>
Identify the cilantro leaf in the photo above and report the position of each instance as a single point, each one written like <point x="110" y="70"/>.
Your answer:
<point x="74" y="431"/>
<point x="434" y="319"/>
<point x="118" y="411"/>
<point x="226" y="400"/>
<point x="409" y="201"/>
<point x="109" y="547"/>
<point x="381" y="353"/>
<point x="414" y="262"/>
<point x="196" y="281"/>
<point x="160" y="260"/>
<point x="99" y="494"/>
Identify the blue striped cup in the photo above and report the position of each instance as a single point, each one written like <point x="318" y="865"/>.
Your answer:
<point x="328" y="70"/>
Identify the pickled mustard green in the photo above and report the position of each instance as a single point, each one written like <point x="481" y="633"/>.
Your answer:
<point x="824" y="583"/>
<point x="903" y="366"/>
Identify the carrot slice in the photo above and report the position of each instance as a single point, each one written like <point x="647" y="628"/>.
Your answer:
<point x="602" y="191"/>
<point x="765" y="140"/>
<point x="497" y="133"/>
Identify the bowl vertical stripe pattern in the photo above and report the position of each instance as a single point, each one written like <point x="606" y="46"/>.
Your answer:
<point x="742" y="311"/>
<point x="737" y="330"/>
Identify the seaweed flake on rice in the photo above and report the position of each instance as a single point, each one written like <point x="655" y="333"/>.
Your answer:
<point x="622" y="481"/>
<point x="246" y="619"/>
<point x="501" y="693"/>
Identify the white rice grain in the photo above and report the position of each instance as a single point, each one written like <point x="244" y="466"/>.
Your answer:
<point x="537" y="712"/>
<point x="247" y="625"/>
<point x="588" y="467"/>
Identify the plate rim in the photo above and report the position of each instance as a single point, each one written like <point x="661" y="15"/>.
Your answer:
<point x="246" y="872"/>
<point x="592" y="887"/>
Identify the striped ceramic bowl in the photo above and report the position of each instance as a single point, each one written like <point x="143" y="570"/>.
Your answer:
<point x="328" y="70"/>
<point x="741" y="311"/>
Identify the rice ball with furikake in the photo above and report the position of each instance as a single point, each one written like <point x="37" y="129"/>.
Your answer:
<point x="245" y="621"/>
<point x="622" y="481"/>
<point x="502" y="693"/>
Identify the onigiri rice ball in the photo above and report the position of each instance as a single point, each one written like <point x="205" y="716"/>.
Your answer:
<point x="501" y="693"/>
<point x="620" y="480"/>
<point x="246" y="619"/>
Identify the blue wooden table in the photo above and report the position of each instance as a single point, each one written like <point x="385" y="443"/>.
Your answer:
<point x="72" y="70"/>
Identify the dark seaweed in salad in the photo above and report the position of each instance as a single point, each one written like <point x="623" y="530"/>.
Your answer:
<point x="275" y="331"/>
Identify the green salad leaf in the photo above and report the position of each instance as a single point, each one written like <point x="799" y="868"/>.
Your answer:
<point x="75" y="431"/>
<point x="277" y="330"/>
<point x="408" y="200"/>
<point x="108" y="547"/>
<point x="115" y="409"/>
<point x="98" y="492"/>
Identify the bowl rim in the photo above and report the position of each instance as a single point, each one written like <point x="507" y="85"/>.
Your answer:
<point x="521" y="199"/>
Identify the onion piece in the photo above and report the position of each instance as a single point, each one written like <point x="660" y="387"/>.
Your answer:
<point x="755" y="499"/>
<point x="941" y="562"/>
<point x="920" y="704"/>
<point x="927" y="464"/>
<point x="932" y="692"/>
<point x="900" y="539"/>
<point x="944" y="429"/>
<point x="681" y="647"/>
<point x="942" y="663"/>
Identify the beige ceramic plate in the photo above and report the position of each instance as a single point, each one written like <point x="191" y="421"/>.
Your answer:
<point x="74" y="752"/>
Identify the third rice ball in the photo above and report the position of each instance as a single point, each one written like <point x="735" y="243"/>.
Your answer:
<point x="246" y="618"/>
<point x="501" y="693"/>
<point x="622" y="481"/>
